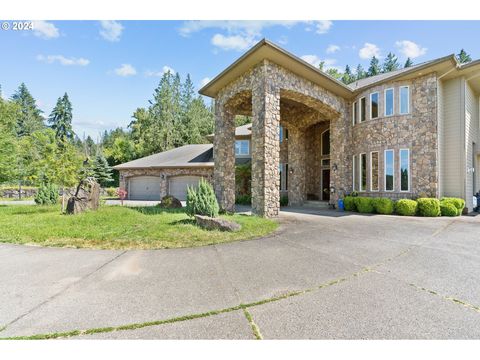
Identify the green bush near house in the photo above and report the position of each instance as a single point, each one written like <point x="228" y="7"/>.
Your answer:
<point x="284" y="200"/>
<point x="383" y="206"/>
<point x="111" y="191"/>
<point x="406" y="207"/>
<point x="448" y="209"/>
<point x="47" y="195"/>
<point x="349" y="203"/>
<point x="458" y="203"/>
<point x="243" y="200"/>
<point x="202" y="201"/>
<point x="364" y="205"/>
<point x="428" y="207"/>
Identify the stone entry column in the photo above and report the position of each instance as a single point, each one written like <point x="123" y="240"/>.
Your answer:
<point x="224" y="157"/>
<point x="296" y="166"/>
<point x="265" y="147"/>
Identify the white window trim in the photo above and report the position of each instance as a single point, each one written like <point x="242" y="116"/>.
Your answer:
<point x="385" y="170"/>
<point x="240" y="148"/>
<point x="321" y="145"/>
<point x="385" y="102"/>
<point x="408" y="167"/>
<point x="354" y="118"/>
<point x="354" y="163"/>
<point x="360" y="172"/>
<point x="360" y="110"/>
<point x="371" y="171"/>
<point x="378" y="105"/>
<point x="400" y="100"/>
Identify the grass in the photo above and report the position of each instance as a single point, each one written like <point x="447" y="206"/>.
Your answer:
<point x="116" y="227"/>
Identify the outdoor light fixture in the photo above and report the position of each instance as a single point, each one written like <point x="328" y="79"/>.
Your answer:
<point x="332" y="190"/>
<point x="163" y="176"/>
<point x="290" y="171"/>
<point x="334" y="167"/>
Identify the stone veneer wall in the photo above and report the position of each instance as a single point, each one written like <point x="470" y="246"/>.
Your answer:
<point x="126" y="174"/>
<point x="416" y="131"/>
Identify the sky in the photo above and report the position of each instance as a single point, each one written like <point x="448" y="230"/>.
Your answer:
<point x="110" y="68"/>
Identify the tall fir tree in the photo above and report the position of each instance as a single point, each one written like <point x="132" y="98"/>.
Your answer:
<point x="360" y="72"/>
<point x="60" y="120"/>
<point x="333" y="72"/>
<point x="374" y="68"/>
<point x="463" y="57"/>
<point x="348" y="77"/>
<point x="31" y="118"/>
<point x="390" y="63"/>
<point x="408" y="63"/>
<point x="101" y="170"/>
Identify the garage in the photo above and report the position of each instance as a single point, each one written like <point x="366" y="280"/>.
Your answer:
<point x="177" y="185"/>
<point x="144" y="188"/>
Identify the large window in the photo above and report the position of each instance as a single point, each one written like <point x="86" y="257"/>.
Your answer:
<point x="363" y="172"/>
<point x="283" y="170"/>
<point x="326" y="142"/>
<point x="242" y="147"/>
<point x="363" y="109"/>
<point x="283" y="134"/>
<point x="374" y="105"/>
<point x="389" y="170"/>
<point x="404" y="170"/>
<point x="389" y="103"/>
<point x="354" y="113"/>
<point x="374" y="171"/>
<point x="404" y="100"/>
<point x="354" y="173"/>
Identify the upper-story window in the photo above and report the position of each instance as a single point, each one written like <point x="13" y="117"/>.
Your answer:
<point x="354" y="113"/>
<point x="283" y="134"/>
<point x="389" y="102"/>
<point x="363" y="109"/>
<point x="242" y="147"/>
<point x="404" y="100"/>
<point x="374" y="105"/>
<point x="326" y="142"/>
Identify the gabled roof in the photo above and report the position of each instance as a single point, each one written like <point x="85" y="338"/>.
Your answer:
<point x="186" y="156"/>
<point x="244" y="130"/>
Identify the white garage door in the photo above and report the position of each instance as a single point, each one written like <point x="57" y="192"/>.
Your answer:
<point x="177" y="186"/>
<point x="144" y="188"/>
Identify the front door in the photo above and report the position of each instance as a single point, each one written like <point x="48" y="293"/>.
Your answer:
<point x="325" y="184"/>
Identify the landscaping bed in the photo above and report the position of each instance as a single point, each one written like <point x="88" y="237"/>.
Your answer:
<point x="116" y="227"/>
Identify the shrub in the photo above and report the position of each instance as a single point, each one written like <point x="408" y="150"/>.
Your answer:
<point x="47" y="195"/>
<point x="283" y="200"/>
<point x="448" y="209"/>
<point x="243" y="200"/>
<point x="111" y="191"/>
<point x="457" y="202"/>
<point x="349" y="203"/>
<point x="364" y="204"/>
<point x="202" y="201"/>
<point x="428" y="207"/>
<point x="383" y="206"/>
<point x="406" y="207"/>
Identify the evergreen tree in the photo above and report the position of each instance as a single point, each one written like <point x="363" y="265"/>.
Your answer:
<point x="90" y="146"/>
<point x="374" y="68"/>
<point x="348" y="76"/>
<point x="102" y="171"/>
<point x="408" y="63"/>
<point x="30" y="118"/>
<point x="60" y="119"/>
<point x="360" y="72"/>
<point x="334" y="73"/>
<point x="390" y="63"/>
<point x="463" y="57"/>
<point x="321" y="65"/>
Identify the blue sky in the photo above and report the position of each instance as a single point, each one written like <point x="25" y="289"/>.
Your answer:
<point x="111" y="68"/>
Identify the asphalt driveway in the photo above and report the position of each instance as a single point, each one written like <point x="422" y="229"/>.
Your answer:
<point x="322" y="276"/>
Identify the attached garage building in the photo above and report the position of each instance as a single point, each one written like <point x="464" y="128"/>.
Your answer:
<point x="169" y="172"/>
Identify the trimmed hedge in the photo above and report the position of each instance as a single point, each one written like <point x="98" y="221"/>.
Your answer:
<point x="284" y="200"/>
<point x="202" y="200"/>
<point x="383" y="206"/>
<point x="349" y="203"/>
<point x="428" y="207"/>
<point x="459" y="204"/>
<point x="47" y="195"/>
<point x="406" y="207"/>
<point x="448" y="209"/>
<point x="364" y="205"/>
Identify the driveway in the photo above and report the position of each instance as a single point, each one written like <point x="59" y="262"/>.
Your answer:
<point x="324" y="275"/>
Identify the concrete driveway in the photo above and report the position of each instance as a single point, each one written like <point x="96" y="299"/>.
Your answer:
<point x="322" y="276"/>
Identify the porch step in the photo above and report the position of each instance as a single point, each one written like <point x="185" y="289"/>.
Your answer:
<point x="316" y="204"/>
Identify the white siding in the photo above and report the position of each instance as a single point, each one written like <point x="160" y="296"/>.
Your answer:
<point x="441" y="134"/>
<point x="471" y="136"/>
<point x="451" y="151"/>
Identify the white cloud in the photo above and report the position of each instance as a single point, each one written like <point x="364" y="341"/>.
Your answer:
<point x="45" y="29"/>
<point x="410" y="49"/>
<point x="50" y="59"/>
<point x="233" y="42"/>
<point x="316" y="60"/>
<point x="331" y="49"/>
<point x="165" y="69"/>
<point x="283" y="40"/>
<point x="205" y="81"/>
<point x="111" y="30"/>
<point x="368" y="51"/>
<point x="323" y="26"/>
<point x="125" y="70"/>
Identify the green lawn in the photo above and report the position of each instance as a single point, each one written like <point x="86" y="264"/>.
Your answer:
<point x="116" y="227"/>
